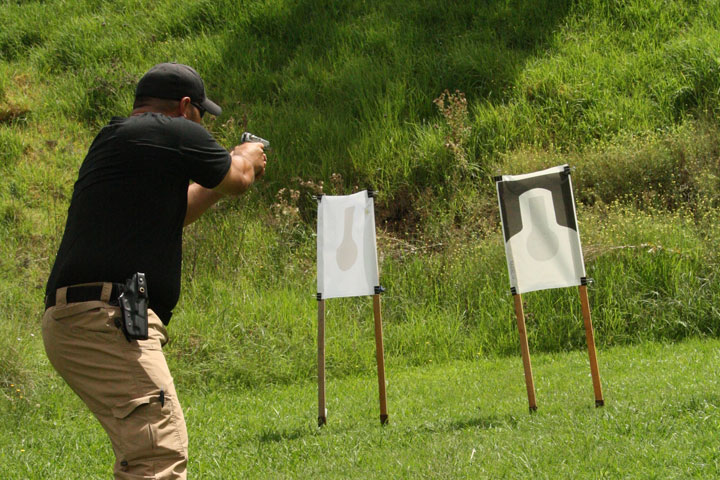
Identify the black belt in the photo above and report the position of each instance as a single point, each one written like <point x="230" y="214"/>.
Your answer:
<point x="86" y="293"/>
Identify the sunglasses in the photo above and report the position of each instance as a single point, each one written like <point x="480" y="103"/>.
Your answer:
<point x="200" y="108"/>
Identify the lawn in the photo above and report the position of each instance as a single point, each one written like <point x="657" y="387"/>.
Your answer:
<point x="456" y="420"/>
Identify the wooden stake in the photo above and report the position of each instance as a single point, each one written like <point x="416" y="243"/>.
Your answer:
<point x="529" y="384"/>
<point x="599" y="401"/>
<point x="322" y="412"/>
<point x="379" y="353"/>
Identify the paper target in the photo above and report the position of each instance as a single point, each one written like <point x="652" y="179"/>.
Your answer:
<point x="346" y="248"/>
<point x="542" y="242"/>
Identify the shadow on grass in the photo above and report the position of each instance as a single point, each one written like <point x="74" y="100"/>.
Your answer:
<point x="485" y="422"/>
<point x="696" y="404"/>
<point x="275" y="436"/>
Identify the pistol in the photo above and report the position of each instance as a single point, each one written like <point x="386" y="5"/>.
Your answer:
<point x="249" y="137"/>
<point x="133" y="302"/>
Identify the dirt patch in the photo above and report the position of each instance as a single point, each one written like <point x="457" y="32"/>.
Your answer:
<point x="10" y="113"/>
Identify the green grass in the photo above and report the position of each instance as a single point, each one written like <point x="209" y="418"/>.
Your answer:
<point x="347" y="92"/>
<point x="654" y="279"/>
<point x="458" y="420"/>
<point x="627" y="95"/>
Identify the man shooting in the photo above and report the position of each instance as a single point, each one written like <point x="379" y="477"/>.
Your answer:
<point x="116" y="277"/>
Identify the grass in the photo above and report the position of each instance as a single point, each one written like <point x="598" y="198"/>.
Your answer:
<point x="626" y="95"/>
<point x="653" y="277"/>
<point x="464" y="419"/>
<point x="423" y="101"/>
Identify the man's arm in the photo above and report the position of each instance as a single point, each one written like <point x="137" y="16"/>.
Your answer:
<point x="199" y="199"/>
<point x="247" y="164"/>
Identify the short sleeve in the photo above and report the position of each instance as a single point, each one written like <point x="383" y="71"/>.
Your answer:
<point x="206" y="161"/>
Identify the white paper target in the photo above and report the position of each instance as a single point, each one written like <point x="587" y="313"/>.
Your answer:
<point x="346" y="249"/>
<point x="542" y="241"/>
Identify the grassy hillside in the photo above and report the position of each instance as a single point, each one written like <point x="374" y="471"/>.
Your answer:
<point x="422" y="100"/>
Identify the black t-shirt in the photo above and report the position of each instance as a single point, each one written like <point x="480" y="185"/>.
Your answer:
<point x="128" y="207"/>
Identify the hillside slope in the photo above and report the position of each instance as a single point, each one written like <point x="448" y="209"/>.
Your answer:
<point x="422" y="100"/>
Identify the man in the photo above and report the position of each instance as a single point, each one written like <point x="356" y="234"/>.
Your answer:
<point x="131" y="200"/>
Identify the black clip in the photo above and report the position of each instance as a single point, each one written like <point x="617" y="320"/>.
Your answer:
<point x="318" y="296"/>
<point x="513" y="290"/>
<point x="498" y="178"/>
<point x="567" y="170"/>
<point x="379" y="290"/>
<point x="586" y="281"/>
<point x="371" y="193"/>
<point x="318" y="197"/>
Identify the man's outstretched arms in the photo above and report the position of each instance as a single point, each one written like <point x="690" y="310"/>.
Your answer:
<point x="247" y="165"/>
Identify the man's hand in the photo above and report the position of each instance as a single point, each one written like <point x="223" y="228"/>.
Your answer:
<point x="255" y="154"/>
<point x="248" y="164"/>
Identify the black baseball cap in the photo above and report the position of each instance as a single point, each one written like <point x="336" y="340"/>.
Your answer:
<point x="174" y="81"/>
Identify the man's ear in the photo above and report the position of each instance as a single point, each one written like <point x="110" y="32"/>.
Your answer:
<point x="184" y="107"/>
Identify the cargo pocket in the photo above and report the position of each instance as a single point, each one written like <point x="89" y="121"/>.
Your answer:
<point x="149" y="428"/>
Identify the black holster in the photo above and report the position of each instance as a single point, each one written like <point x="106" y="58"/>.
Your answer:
<point x="134" y="307"/>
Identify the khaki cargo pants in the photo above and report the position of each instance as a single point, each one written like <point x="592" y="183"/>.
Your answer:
<point x="127" y="385"/>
